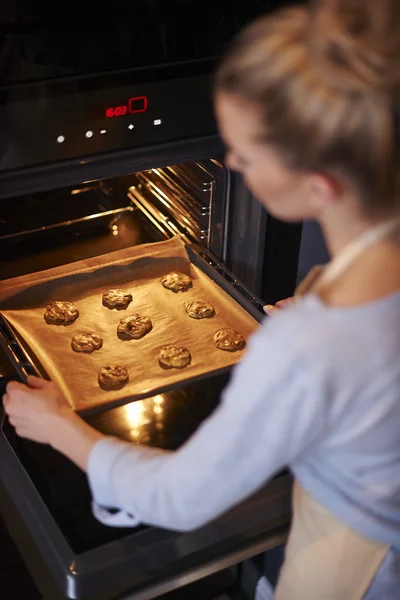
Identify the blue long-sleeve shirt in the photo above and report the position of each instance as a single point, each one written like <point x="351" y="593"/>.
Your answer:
<point x="319" y="391"/>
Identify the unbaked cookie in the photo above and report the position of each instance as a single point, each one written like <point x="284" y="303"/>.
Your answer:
<point x="199" y="309"/>
<point x="60" y="313"/>
<point x="113" y="377"/>
<point x="118" y="299"/>
<point x="229" y="339"/>
<point x="134" y="327"/>
<point x="174" y="357"/>
<point x="86" y="341"/>
<point x="176" y="282"/>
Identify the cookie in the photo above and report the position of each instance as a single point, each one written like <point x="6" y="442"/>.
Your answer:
<point x="134" y="327"/>
<point x="118" y="299"/>
<point x="199" y="309"/>
<point x="176" y="282"/>
<point x="174" y="357"/>
<point x="229" y="339"/>
<point x="60" y="313"/>
<point x="86" y="341"/>
<point x="113" y="377"/>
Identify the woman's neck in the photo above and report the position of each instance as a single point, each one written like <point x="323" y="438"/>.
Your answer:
<point x="374" y="274"/>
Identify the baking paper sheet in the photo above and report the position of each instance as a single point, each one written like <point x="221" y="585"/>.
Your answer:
<point x="137" y="270"/>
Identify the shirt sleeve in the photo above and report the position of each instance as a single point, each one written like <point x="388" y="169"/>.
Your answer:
<point x="269" y="414"/>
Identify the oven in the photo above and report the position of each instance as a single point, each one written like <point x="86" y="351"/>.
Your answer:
<point x="93" y="160"/>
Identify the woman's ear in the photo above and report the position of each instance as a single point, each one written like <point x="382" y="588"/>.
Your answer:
<point x="324" y="191"/>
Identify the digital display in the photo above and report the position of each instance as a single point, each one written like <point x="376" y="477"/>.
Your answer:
<point x="135" y="105"/>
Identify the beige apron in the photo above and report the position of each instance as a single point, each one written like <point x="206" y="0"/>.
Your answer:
<point x="324" y="559"/>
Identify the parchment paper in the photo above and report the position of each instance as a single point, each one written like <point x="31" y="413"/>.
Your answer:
<point x="138" y="270"/>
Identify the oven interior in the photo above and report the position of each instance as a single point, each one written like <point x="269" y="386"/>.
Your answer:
<point x="47" y="229"/>
<point x="51" y="228"/>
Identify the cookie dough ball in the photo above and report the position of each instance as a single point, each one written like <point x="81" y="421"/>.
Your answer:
<point x="229" y="339"/>
<point x="176" y="282"/>
<point x="86" y="341"/>
<point x="174" y="357"/>
<point x="113" y="377"/>
<point x="60" y="313"/>
<point x="199" y="309"/>
<point x="134" y="327"/>
<point x="118" y="299"/>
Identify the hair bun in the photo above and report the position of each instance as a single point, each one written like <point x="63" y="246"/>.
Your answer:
<point x="357" y="43"/>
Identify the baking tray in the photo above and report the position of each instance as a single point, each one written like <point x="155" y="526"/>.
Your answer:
<point x="26" y="362"/>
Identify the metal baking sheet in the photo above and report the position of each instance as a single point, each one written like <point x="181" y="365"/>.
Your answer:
<point x="139" y="270"/>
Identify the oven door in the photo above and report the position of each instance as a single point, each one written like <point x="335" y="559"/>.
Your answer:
<point x="45" y="502"/>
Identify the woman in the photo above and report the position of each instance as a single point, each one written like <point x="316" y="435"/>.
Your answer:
<point x="305" y="101"/>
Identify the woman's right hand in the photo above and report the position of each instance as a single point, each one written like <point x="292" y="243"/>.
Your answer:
<point x="303" y="288"/>
<point x="270" y="308"/>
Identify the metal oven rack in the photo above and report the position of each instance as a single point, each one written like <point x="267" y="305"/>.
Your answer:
<point x="19" y="356"/>
<point x="181" y="197"/>
<point x="99" y="198"/>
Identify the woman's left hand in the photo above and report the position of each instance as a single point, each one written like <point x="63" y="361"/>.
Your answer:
<point x="34" y="409"/>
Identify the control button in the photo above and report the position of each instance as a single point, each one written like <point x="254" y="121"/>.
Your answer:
<point x="89" y="134"/>
<point x="130" y="126"/>
<point x="157" y="121"/>
<point x="60" y="139"/>
<point x="138" y="104"/>
<point x="103" y="131"/>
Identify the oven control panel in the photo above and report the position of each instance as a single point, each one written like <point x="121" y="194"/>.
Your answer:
<point x="70" y="123"/>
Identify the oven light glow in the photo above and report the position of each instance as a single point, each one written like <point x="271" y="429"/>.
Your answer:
<point x="89" y="134"/>
<point x="60" y="139"/>
<point x="135" y="414"/>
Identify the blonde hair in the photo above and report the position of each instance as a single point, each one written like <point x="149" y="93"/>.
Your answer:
<point x="327" y="78"/>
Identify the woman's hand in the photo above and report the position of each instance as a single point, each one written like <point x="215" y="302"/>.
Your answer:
<point x="270" y="308"/>
<point x="40" y="412"/>
<point x="35" y="408"/>
<point x="303" y="288"/>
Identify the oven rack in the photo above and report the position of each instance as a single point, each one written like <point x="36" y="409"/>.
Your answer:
<point x="182" y="193"/>
<point x="165" y="207"/>
<point x="99" y="197"/>
<point x="190" y="191"/>
<point x="25" y="362"/>
<point x="218" y="272"/>
<point x="19" y="356"/>
<point x="111" y="216"/>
